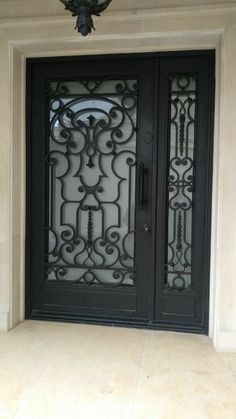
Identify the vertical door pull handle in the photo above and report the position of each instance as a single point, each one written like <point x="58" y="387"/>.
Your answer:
<point x="141" y="187"/>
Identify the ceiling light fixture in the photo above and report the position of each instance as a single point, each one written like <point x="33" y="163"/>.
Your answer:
<point x="84" y="9"/>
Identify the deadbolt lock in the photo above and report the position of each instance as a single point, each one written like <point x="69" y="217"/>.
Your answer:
<point x="146" y="228"/>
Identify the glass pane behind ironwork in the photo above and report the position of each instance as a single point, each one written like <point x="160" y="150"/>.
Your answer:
<point x="91" y="166"/>
<point x="182" y="133"/>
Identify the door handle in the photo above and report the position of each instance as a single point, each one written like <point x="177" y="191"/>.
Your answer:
<point x="141" y="195"/>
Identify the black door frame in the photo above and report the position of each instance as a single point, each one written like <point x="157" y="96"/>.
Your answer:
<point x="162" y="325"/>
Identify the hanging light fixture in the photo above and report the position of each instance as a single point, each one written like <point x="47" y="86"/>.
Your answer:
<point x="84" y="9"/>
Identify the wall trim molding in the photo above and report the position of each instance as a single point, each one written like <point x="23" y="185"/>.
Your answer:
<point x="134" y="43"/>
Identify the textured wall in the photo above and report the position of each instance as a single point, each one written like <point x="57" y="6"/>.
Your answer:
<point x="20" y="8"/>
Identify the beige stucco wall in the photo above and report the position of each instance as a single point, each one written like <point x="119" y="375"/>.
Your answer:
<point x="22" y="8"/>
<point x="126" y="27"/>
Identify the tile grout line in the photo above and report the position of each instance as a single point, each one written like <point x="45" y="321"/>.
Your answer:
<point x="138" y="376"/>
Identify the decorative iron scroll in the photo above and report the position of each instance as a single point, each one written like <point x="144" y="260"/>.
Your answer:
<point x="91" y="166"/>
<point x="182" y="138"/>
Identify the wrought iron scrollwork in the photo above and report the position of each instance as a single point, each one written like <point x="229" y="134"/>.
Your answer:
<point x="91" y="166"/>
<point x="183" y="96"/>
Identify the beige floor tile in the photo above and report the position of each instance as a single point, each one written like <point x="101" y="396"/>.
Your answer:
<point x="25" y="354"/>
<point x="183" y="352"/>
<point x="8" y="409"/>
<point x="15" y="384"/>
<point x="185" y="396"/>
<point x="56" y="370"/>
<point x="93" y="374"/>
<point x="82" y="403"/>
<point x="77" y="390"/>
<point x="177" y="341"/>
<point x="35" y="337"/>
<point x="106" y="344"/>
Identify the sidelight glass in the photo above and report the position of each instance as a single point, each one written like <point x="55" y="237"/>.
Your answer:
<point x="182" y="135"/>
<point x="91" y="181"/>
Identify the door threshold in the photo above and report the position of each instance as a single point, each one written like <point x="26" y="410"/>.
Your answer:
<point x="125" y="323"/>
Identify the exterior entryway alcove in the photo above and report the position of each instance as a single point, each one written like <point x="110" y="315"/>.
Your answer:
<point x="119" y="168"/>
<point x="135" y="30"/>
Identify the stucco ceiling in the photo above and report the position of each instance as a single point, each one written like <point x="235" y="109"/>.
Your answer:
<point x="21" y="8"/>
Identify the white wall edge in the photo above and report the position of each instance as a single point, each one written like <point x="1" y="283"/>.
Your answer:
<point x="4" y="322"/>
<point x="23" y="186"/>
<point x="226" y="341"/>
<point x="217" y="172"/>
<point x="215" y="217"/>
<point x="11" y="127"/>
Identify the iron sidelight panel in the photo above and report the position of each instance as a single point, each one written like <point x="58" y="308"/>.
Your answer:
<point x="183" y="100"/>
<point x="184" y="184"/>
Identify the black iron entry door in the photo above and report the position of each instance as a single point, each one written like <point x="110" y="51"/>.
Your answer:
<point x="119" y="161"/>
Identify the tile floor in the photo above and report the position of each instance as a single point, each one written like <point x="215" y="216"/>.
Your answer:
<point x="54" y="370"/>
